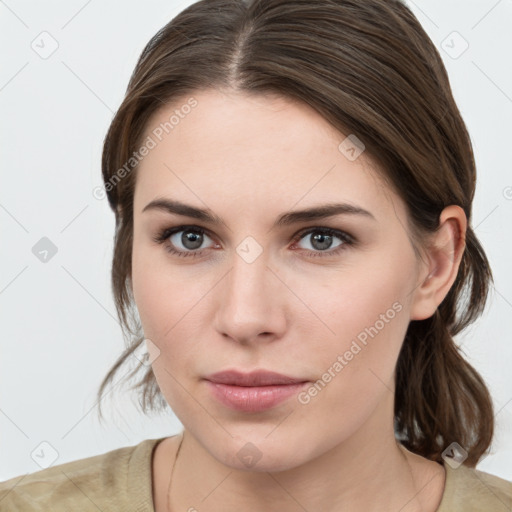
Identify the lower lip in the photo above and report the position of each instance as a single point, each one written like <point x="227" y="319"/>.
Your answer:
<point x="254" y="398"/>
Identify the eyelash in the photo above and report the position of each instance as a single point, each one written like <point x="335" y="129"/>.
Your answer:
<point x="163" y="236"/>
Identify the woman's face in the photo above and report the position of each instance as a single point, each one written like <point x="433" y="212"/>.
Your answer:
<point x="264" y="288"/>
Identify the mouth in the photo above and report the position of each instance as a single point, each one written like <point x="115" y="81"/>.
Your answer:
<point x="253" y="392"/>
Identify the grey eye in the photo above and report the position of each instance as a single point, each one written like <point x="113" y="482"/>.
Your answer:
<point x="320" y="241"/>
<point x="189" y="239"/>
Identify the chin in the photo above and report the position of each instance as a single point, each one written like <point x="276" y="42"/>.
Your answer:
<point x="260" y="454"/>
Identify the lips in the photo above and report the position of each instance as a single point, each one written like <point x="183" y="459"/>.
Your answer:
<point x="253" y="392"/>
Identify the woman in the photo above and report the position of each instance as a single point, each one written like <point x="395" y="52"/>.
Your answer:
<point x="292" y="185"/>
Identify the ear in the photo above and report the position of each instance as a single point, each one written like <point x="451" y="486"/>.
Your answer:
<point x="443" y="256"/>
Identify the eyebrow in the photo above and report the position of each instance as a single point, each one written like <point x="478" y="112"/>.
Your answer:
<point x="286" y="219"/>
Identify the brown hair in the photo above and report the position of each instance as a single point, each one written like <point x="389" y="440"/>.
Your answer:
<point x="369" y="69"/>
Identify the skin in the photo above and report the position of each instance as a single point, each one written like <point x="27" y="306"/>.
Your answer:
<point x="249" y="159"/>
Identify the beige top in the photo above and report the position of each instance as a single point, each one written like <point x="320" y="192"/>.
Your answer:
<point x="121" y="480"/>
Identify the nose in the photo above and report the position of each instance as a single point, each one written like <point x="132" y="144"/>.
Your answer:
<point x="251" y="303"/>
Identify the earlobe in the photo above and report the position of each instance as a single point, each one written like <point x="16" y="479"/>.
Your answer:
<point x="443" y="255"/>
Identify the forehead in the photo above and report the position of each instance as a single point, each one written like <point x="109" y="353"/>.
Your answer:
<point x="251" y="152"/>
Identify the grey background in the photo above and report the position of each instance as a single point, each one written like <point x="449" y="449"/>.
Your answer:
<point x="59" y="329"/>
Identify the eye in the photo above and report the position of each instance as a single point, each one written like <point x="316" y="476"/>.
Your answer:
<point x="182" y="240"/>
<point x="322" y="241"/>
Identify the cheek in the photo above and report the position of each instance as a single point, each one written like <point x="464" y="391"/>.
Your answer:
<point x="153" y="291"/>
<point x="168" y="297"/>
<point x="355" y="365"/>
<point x="364" y="321"/>
<point x="165" y="302"/>
<point x="161" y="301"/>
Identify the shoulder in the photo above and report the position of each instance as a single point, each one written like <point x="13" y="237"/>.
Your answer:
<point x="118" y="478"/>
<point x="471" y="490"/>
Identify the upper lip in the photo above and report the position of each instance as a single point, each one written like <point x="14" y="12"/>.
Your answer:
<point x="254" y="378"/>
